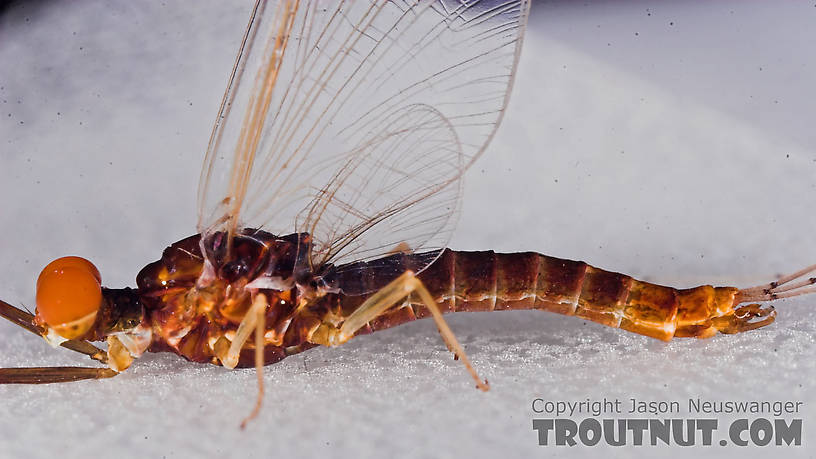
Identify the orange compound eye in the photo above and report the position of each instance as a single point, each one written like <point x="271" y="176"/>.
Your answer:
<point x="69" y="295"/>
<point x="70" y="262"/>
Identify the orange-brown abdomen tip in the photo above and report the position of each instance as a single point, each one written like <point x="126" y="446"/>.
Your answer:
<point x="69" y="295"/>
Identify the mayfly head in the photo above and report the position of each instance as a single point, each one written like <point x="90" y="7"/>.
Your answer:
<point x="69" y="295"/>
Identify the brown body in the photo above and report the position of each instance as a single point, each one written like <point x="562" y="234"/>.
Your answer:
<point x="189" y="317"/>
<point x="488" y="281"/>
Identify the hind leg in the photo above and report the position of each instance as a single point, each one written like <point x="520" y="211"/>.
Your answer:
<point x="382" y="301"/>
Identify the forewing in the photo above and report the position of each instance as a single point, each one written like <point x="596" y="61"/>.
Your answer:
<point x="398" y="191"/>
<point x="354" y="121"/>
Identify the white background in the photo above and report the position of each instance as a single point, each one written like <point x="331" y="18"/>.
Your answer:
<point x="672" y="141"/>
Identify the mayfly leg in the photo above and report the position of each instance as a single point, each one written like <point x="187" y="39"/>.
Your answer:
<point x="254" y="320"/>
<point x="26" y="320"/>
<point x="47" y="375"/>
<point x="387" y="297"/>
<point x="259" y="308"/>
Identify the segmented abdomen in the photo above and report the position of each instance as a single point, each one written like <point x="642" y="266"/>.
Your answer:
<point x="486" y="281"/>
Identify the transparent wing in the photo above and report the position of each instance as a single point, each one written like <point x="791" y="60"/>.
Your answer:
<point x="354" y="121"/>
<point x="399" y="190"/>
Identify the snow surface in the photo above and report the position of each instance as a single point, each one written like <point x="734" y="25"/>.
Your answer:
<point x="670" y="140"/>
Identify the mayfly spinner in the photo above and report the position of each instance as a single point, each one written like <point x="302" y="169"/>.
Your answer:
<point x="327" y="196"/>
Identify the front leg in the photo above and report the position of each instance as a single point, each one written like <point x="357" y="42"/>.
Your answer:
<point x="49" y="375"/>
<point x="378" y="303"/>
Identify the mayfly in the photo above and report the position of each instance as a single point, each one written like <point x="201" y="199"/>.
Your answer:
<point x="328" y="193"/>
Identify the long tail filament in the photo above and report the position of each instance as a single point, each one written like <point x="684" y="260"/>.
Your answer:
<point x="785" y="287"/>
